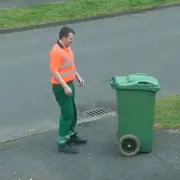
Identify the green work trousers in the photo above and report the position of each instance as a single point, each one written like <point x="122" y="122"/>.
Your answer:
<point x="68" y="115"/>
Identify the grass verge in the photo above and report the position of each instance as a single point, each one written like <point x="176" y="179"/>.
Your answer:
<point x="70" y="9"/>
<point x="168" y="112"/>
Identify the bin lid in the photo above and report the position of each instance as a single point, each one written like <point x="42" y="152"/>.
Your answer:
<point x="135" y="81"/>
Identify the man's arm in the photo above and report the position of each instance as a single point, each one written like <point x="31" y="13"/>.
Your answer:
<point x="77" y="75"/>
<point x="79" y="79"/>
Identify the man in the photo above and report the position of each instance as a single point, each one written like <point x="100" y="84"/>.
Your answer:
<point x="64" y="73"/>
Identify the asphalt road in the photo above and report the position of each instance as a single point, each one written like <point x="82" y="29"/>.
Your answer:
<point x="36" y="158"/>
<point x="8" y="4"/>
<point x="146" y="42"/>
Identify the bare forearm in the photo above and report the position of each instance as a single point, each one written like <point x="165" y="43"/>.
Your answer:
<point x="59" y="78"/>
<point x="77" y="75"/>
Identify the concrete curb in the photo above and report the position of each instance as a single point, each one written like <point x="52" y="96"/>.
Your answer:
<point x="32" y="132"/>
<point x="102" y="16"/>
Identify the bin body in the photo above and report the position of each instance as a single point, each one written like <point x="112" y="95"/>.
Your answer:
<point x="136" y="98"/>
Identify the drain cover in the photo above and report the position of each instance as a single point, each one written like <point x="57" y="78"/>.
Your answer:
<point x="96" y="112"/>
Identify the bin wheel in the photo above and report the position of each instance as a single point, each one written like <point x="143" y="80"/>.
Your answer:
<point x="129" y="145"/>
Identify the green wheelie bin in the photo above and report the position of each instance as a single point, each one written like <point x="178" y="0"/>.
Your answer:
<point x="136" y="99"/>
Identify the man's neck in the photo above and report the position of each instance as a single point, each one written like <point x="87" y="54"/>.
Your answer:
<point x="62" y="43"/>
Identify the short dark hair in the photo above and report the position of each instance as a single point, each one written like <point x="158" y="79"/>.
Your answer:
<point x="64" y="32"/>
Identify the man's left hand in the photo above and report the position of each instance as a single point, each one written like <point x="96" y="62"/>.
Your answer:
<point x="80" y="81"/>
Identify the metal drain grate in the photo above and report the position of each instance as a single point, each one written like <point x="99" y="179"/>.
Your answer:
<point x="96" y="112"/>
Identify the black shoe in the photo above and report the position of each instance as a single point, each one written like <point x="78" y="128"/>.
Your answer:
<point x="77" y="140"/>
<point x="67" y="149"/>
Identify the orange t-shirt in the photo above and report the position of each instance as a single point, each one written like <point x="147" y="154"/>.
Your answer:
<point x="57" y="60"/>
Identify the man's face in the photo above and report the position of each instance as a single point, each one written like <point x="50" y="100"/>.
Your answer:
<point x="68" y="41"/>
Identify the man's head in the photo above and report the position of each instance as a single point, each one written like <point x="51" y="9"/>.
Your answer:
<point x="66" y="35"/>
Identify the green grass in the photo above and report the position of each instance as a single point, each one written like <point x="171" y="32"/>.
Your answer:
<point x="168" y="112"/>
<point x="70" y="9"/>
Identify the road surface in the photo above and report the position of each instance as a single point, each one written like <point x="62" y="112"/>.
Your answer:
<point x="36" y="157"/>
<point x="8" y="4"/>
<point x="146" y="42"/>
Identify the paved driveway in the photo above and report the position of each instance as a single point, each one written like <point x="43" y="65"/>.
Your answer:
<point x="36" y="157"/>
<point x="146" y="42"/>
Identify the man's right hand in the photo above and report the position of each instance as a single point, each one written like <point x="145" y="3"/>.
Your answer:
<point x="67" y="90"/>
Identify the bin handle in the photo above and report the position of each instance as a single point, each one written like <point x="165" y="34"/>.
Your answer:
<point x="145" y="82"/>
<point x="141" y="82"/>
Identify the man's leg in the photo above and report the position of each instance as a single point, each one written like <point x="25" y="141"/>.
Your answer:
<point x="66" y="105"/>
<point x="74" y="119"/>
<point x="73" y="135"/>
